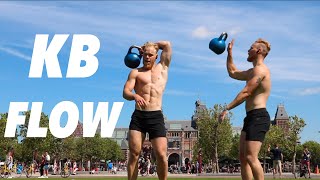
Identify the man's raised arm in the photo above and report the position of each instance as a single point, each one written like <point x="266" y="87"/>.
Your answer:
<point x="231" y="67"/>
<point x="166" y="53"/>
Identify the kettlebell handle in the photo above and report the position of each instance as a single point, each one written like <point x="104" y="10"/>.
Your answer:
<point x="133" y="46"/>
<point x="225" y="36"/>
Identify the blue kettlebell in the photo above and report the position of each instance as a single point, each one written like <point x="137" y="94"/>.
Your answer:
<point x="218" y="45"/>
<point x="132" y="60"/>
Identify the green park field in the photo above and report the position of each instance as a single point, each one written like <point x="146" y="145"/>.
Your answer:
<point x="154" y="178"/>
<point x="204" y="178"/>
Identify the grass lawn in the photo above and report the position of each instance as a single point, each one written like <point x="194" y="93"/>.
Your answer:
<point x="155" y="178"/>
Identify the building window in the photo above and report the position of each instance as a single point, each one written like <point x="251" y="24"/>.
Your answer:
<point x="174" y="144"/>
<point x="188" y="135"/>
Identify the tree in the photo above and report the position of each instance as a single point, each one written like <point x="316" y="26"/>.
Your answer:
<point x="97" y="148"/>
<point x="94" y="149"/>
<point x="234" y="151"/>
<point x="8" y="142"/>
<point x="314" y="148"/>
<point x="214" y="137"/>
<point x="32" y="144"/>
<point x="296" y="125"/>
<point x="275" y="135"/>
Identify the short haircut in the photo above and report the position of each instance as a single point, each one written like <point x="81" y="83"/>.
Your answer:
<point x="265" y="45"/>
<point x="151" y="44"/>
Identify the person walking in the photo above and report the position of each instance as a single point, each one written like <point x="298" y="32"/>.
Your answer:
<point x="277" y="159"/>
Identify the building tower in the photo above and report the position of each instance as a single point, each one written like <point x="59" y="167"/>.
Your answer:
<point x="200" y="107"/>
<point x="281" y="118"/>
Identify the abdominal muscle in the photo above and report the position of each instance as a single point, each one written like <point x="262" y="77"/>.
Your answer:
<point x="152" y="94"/>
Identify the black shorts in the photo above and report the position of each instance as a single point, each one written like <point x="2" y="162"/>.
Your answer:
<point x="151" y="122"/>
<point x="256" y="124"/>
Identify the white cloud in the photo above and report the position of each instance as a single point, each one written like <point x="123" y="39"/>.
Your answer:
<point x="234" y="31"/>
<point x="181" y="23"/>
<point x="15" y="53"/>
<point x="295" y="69"/>
<point x="309" y="91"/>
<point x="278" y="96"/>
<point x="202" y="32"/>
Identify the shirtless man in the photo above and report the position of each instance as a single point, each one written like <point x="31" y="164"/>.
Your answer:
<point x="149" y="83"/>
<point x="255" y="93"/>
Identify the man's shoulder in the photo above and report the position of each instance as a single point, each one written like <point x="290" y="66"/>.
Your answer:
<point x="260" y="68"/>
<point x="261" y="71"/>
<point x="162" y="66"/>
<point x="135" y="71"/>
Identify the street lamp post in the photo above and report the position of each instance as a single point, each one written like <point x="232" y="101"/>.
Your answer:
<point x="190" y="151"/>
<point x="182" y="146"/>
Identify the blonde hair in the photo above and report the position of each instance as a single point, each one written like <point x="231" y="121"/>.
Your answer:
<point x="150" y="44"/>
<point x="265" y="45"/>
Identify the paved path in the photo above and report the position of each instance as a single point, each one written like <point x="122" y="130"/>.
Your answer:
<point x="205" y="175"/>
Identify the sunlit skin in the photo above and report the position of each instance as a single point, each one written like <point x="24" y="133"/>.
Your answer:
<point x="258" y="83"/>
<point x="255" y="95"/>
<point x="148" y="83"/>
<point x="149" y="57"/>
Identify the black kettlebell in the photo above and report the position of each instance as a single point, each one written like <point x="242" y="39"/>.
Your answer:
<point x="132" y="60"/>
<point x="218" y="45"/>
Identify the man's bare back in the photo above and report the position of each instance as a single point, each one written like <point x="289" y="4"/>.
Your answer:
<point x="150" y="85"/>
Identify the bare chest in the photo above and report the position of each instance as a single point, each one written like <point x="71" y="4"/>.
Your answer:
<point x="155" y="77"/>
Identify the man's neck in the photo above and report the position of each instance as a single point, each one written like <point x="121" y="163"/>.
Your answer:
<point x="257" y="62"/>
<point x="147" y="69"/>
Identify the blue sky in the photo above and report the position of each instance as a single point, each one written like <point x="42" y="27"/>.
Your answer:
<point x="195" y="72"/>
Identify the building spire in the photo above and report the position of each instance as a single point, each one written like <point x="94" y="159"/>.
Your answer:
<point x="281" y="118"/>
<point x="281" y="113"/>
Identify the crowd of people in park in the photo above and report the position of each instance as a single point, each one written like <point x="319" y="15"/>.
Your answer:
<point x="146" y="165"/>
<point x="42" y="163"/>
<point x="277" y="157"/>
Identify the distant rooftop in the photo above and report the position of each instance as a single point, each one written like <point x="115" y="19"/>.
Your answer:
<point x="281" y="113"/>
<point x="179" y="125"/>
